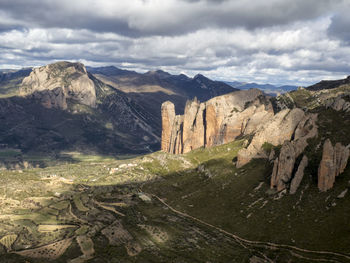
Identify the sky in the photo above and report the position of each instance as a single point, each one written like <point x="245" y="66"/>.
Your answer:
<point x="295" y="42"/>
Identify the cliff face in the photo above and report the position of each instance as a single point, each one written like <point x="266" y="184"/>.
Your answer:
<point x="334" y="161"/>
<point x="217" y="121"/>
<point x="53" y="84"/>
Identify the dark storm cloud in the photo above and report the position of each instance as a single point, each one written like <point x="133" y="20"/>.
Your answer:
<point x="340" y="26"/>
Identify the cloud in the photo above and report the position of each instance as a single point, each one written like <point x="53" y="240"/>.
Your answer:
<point x="159" y="17"/>
<point x="276" y="41"/>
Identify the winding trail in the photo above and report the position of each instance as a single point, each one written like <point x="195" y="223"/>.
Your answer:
<point x="267" y="245"/>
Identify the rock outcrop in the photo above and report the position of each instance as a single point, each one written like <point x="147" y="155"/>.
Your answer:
<point x="283" y="167"/>
<point x="275" y="131"/>
<point x="55" y="83"/>
<point x="298" y="177"/>
<point x="217" y="121"/>
<point x="338" y="103"/>
<point x="333" y="163"/>
<point x="168" y="117"/>
<point x="282" y="173"/>
<point x="193" y="126"/>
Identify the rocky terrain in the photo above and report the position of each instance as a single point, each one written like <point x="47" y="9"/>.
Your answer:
<point x="267" y="123"/>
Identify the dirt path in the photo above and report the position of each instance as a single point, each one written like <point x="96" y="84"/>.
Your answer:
<point x="268" y="245"/>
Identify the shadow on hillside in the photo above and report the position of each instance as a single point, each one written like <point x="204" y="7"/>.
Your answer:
<point x="177" y="189"/>
<point x="36" y="130"/>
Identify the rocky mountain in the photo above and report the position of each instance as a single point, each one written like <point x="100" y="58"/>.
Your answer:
<point x="63" y="107"/>
<point x="55" y="83"/>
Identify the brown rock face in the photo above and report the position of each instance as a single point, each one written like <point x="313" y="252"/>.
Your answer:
<point x="176" y="145"/>
<point x="193" y="126"/>
<point x="168" y="117"/>
<point x="333" y="163"/>
<point x="276" y="130"/>
<point x="283" y="167"/>
<point x="298" y="177"/>
<point x="217" y="121"/>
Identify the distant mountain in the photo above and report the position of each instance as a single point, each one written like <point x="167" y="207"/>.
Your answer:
<point x="62" y="107"/>
<point x="267" y="88"/>
<point x="152" y="88"/>
<point x="329" y="84"/>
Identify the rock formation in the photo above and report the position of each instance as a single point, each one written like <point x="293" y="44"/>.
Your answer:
<point x="284" y="165"/>
<point x="298" y="177"/>
<point x="54" y="83"/>
<point x="168" y="117"/>
<point x="338" y="103"/>
<point x="217" y="121"/>
<point x="333" y="163"/>
<point x="278" y="129"/>
<point x="193" y="126"/>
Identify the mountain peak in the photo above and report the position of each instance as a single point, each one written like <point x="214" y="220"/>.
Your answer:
<point x="54" y="83"/>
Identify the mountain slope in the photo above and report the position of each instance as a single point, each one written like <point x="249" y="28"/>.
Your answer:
<point x="64" y="108"/>
<point x="152" y="88"/>
<point x="329" y="84"/>
<point x="267" y="88"/>
<point x="10" y="80"/>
